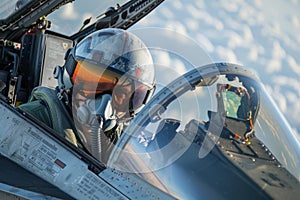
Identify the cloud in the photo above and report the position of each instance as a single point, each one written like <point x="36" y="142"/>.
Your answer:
<point x="161" y="57"/>
<point x="167" y="68"/>
<point x="288" y="82"/>
<point x="239" y="38"/>
<point x="205" y="17"/>
<point x="253" y="54"/>
<point x="226" y="54"/>
<point x="278" y="52"/>
<point x="274" y="65"/>
<point x="179" y="66"/>
<point x="192" y="24"/>
<point x="230" y="7"/>
<point x="177" y="4"/>
<point x="280" y="98"/>
<point x="192" y="10"/>
<point x="247" y="34"/>
<point x="208" y="46"/>
<point x="255" y="51"/>
<point x="246" y="13"/>
<point x="272" y="29"/>
<point x="177" y="26"/>
<point x="295" y="21"/>
<point x="167" y="13"/>
<point x="69" y="12"/>
<point x="258" y="4"/>
<point x="234" y="39"/>
<point x="293" y="64"/>
<point x="232" y="23"/>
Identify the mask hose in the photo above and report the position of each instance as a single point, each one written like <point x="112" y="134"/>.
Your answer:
<point x="97" y="135"/>
<point x="98" y="138"/>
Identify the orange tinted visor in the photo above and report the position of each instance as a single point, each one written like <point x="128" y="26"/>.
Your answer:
<point x="128" y="94"/>
<point x="94" y="79"/>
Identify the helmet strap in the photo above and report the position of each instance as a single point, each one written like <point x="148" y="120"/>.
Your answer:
<point x="63" y="74"/>
<point x="62" y="91"/>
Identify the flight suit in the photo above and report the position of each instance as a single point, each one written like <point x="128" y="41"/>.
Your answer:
<point x="45" y="106"/>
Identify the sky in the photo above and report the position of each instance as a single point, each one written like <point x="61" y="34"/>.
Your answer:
<point x="261" y="35"/>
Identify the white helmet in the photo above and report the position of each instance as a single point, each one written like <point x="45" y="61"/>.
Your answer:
<point x="111" y="61"/>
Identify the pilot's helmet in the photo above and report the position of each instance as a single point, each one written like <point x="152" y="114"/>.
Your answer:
<point x="112" y="61"/>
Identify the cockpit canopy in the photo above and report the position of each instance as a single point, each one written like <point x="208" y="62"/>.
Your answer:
<point x="186" y="136"/>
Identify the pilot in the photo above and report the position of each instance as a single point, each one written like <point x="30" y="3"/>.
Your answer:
<point x="106" y="79"/>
